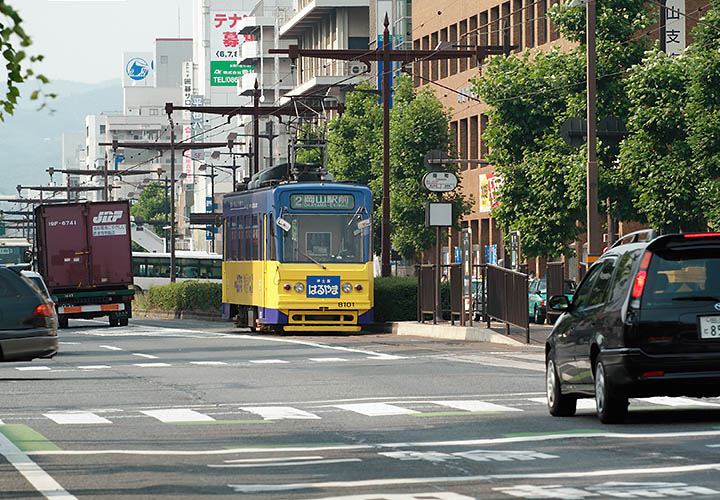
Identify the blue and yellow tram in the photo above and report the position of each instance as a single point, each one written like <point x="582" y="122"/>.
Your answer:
<point x="298" y="257"/>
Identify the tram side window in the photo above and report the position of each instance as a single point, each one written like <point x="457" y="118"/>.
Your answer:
<point x="232" y="246"/>
<point x="254" y="241"/>
<point x="271" y="239"/>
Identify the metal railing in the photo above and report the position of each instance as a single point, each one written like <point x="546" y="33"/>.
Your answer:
<point x="507" y="298"/>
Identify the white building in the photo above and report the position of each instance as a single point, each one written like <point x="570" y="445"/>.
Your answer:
<point x="73" y="158"/>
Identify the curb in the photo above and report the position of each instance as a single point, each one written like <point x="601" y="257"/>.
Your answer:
<point x="160" y="314"/>
<point x="450" y="332"/>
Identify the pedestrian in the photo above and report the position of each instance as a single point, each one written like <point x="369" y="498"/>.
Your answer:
<point x="444" y="277"/>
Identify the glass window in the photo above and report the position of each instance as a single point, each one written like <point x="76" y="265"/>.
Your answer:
<point x="623" y="276"/>
<point x="324" y="238"/>
<point x="582" y="296"/>
<point x="676" y="275"/>
<point x="271" y="239"/>
<point x="602" y="283"/>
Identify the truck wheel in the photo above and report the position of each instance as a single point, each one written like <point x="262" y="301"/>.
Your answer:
<point x="124" y="321"/>
<point x="113" y="320"/>
<point x="62" y="321"/>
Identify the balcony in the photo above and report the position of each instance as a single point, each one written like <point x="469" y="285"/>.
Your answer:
<point x="246" y="83"/>
<point x="311" y="12"/>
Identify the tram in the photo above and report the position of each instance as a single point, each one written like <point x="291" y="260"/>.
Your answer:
<point x="297" y="252"/>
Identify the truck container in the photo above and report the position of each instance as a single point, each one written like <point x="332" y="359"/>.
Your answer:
<point x="84" y="255"/>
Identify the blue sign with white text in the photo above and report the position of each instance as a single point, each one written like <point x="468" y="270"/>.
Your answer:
<point x="323" y="287"/>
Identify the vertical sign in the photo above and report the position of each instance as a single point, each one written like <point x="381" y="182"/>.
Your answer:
<point x="187" y="119"/>
<point x="674" y="33"/>
<point x="225" y="46"/>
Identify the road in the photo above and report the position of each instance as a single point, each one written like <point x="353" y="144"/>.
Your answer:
<point x="183" y="409"/>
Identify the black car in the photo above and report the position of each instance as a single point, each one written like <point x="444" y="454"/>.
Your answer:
<point x="28" y="324"/>
<point x="645" y="321"/>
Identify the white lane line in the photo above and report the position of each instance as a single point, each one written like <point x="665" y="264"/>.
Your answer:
<point x="140" y="355"/>
<point x="178" y="415"/>
<point x="208" y="363"/>
<point x="1" y="422"/>
<point x="94" y="367"/>
<point x="376" y="355"/>
<point x="76" y="417"/>
<point x="582" y="404"/>
<point x="41" y="480"/>
<point x="268" y="361"/>
<point x="262" y="488"/>
<point x="668" y="401"/>
<point x="285" y="464"/>
<point x="111" y="347"/>
<point x="280" y="413"/>
<point x="276" y="459"/>
<point x="32" y="368"/>
<point x="188" y="453"/>
<point x="62" y="342"/>
<point x="327" y="360"/>
<point x="151" y="365"/>
<point x="376" y="409"/>
<point x="475" y="406"/>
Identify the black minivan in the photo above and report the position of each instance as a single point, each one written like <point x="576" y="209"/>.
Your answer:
<point x="645" y="321"/>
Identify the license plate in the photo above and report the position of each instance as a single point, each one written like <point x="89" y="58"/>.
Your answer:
<point x="709" y="327"/>
<point x="323" y="287"/>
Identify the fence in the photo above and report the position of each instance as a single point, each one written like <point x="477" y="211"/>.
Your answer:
<point x="507" y="298"/>
<point x="451" y="273"/>
<point x="555" y="285"/>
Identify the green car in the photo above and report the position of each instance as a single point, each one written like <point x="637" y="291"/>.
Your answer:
<point x="537" y="295"/>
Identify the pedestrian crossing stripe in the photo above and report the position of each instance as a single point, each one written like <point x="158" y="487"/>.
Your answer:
<point x="270" y="414"/>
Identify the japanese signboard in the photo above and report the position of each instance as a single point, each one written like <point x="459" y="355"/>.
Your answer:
<point x="489" y="187"/>
<point x="225" y="48"/>
<point x="323" y="287"/>
<point x="187" y="88"/>
<point x="138" y="69"/>
<point x="322" y="201"/>
<point x="674" y="32"/>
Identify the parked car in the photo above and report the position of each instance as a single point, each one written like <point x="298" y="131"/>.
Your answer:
<point x="28" y="323"/>
<point x="537" y="293"/>
<point x="645" y="321"/>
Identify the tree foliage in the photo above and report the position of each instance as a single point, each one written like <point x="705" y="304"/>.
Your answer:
<point x="530" y="96"/>
<point x="418" y="124"/>
<point x="13" y="42"/>
<point x="152" y="204"/>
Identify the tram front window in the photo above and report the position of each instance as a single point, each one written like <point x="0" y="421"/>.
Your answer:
<point x="323" y="238"/>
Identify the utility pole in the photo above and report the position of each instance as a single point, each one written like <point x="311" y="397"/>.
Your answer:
<point x="386" y="55"/>
<point x="594" y="236"/>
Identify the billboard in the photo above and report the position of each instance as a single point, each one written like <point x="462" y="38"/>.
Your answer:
<point x="489" y="188"/>
<point x="225" y="48"/>
<point x="138" y="69"/>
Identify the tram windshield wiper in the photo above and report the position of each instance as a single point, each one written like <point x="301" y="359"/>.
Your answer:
<point x="310" y="258"/>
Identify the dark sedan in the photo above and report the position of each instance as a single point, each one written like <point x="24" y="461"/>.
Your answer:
<point x="28" y="324"/>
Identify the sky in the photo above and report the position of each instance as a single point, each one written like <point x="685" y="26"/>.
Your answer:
<point x="83" y="40"/>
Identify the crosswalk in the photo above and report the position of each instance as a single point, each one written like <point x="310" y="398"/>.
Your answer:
<point x="228" y="413"/>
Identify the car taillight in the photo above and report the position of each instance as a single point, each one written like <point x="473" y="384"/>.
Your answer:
<point x="700" y="235"/>
<point x="542" y="302"/>
<point x="43" y="310"/>
<point x="641" y="276"/>
<point x="358" y="287"/>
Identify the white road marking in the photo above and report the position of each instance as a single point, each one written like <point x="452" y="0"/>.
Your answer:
<point x="668" y="401"/>
<point x="276" y="459"/>
<point x="76" y="417"/>
<point x="111" y="348"/>
<point x="1" y="422"/>
<point x="434" y="495"/>
<point x="268" y="361"/>
<point x="178" y="415"/>
<point x="208" y="363"/>
<point x="495" y="361"/>
<point x="188" y="453"/>
<point x="582" y="404"/>
<point x="264" y="488"/>
<point x="376" y="409"/>
<point x="151" y="365"/>
<point x="280" y="413"/>
<point x="62" y="342"/>
<point x="373" y="354"/>
<point x="286" y="464"/>
<point x="326" y="360"/>
<point x="41" y="480"/>
<point x="32" y="368"/>
<point x="94" y="367"/>
<point x="475" y="406"/>
<point x="140" y="355"/>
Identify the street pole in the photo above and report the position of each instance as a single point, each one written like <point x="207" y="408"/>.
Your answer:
<point x="172" y="198"/>
<point x="212" y="195"/>
<point x="385" y="230"/>
<point x="105" y="175"/>
<point x="256" y="129"/>
<point x="594" y="238"/>
<point x="166" y="186"/>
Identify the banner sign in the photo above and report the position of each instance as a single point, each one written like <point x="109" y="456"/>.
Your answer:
<point x="674" y="32"/>
<point x="225" y="47"/>
<point x="489" y="189"/>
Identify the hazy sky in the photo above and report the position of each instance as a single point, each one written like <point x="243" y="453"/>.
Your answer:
<point x="83" y="40"/>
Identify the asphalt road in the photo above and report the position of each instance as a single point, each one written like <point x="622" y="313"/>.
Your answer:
<point x="183" y="409"/>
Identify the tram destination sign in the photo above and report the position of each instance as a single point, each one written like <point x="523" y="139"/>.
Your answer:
<point x="319" y="201"/>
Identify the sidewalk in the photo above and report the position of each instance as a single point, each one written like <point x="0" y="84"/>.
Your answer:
<point x="477" y="333"/>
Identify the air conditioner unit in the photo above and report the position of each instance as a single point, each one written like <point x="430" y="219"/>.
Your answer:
<point x="356" y="67"/>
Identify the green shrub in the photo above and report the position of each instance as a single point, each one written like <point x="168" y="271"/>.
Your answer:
<point x="395" y="299"/>
<point x="185" y="296"/>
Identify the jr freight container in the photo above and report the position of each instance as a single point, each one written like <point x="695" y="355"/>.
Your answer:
<point x="85" y="258"/>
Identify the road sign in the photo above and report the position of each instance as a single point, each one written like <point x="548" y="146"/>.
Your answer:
<point x="440" y="182"/>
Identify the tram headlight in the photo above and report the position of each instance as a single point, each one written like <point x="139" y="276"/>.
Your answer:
<point x="358" y="287"/>
<point x="299" y="287"/>
<point x="287" y="287"/>
<point x="347" y="287"/>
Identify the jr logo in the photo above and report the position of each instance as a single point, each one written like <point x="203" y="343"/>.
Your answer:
<point x="104" y="217"/>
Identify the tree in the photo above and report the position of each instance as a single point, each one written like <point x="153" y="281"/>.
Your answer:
<point x="152" y="204"/>
<point x="418" y="124"/>
<point x="530" y="96"/>
<point x="13" y="40"/>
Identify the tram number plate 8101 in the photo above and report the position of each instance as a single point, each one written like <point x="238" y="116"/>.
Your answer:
<point x="323" y="287"/>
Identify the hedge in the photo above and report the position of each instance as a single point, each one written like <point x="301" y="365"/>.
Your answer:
<point x="395" y="298"/>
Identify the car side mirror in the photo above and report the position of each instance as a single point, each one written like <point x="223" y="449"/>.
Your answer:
<point x="559" y="303"/>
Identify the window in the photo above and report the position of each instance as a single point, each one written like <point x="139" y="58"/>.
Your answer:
<point x="623" y="276"/>
<point x="324" y="238"/>
<point x="358" y="42"/>
<point x="583" y="293"/>
<point x="154" y="112"/>
<point x="453" y="40"/>
<point x="163" y="59"/>
<point x="595" y="287"/>
<point x="434" y="65"/>
<point x="463" y="34"/>
<point x="102" y="129"/>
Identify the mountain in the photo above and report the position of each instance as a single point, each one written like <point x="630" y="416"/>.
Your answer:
<point x="31" y="140"/>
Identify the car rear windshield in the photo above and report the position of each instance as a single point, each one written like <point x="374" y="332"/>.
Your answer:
<point x="683" y="274"/>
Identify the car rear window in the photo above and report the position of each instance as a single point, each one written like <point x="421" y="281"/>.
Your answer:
<point x="7" y="287"/>
<point x="675" y="275"/>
